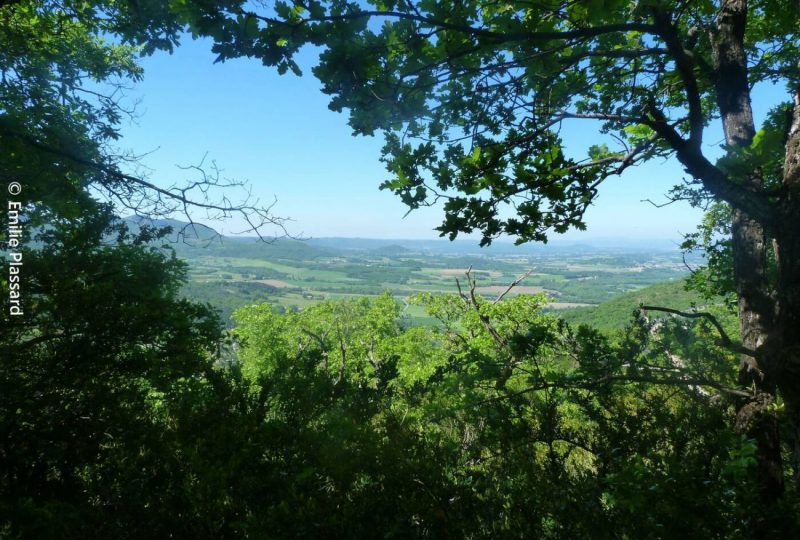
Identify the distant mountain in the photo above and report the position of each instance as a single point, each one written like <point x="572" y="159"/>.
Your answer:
<point x="181" y="230"/>
<point x="192" y="240"/>
<point x="472" y="247"/>
<point x="255" y="248"/>
<point x="393" y="250"/>
<point x="185" y="235"/>
<point x="358" y="244"/>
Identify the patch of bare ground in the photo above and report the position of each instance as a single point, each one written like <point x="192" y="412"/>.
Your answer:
<point x="277" y="283"/>
<point x="461" y="272"/>
<point x="453" y="271"/>
<point x="519" y="289"/>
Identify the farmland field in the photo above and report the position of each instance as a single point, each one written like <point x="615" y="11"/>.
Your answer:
<point x="291" y="274"/>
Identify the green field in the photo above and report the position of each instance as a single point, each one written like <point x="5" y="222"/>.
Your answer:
<point x="291" y="275"/>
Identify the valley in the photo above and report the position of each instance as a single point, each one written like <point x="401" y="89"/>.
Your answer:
<point x="232" y="272"/>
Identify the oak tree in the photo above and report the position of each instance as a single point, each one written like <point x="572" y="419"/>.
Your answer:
<point x="65" y="71"/>
<point x="471" y="96"/>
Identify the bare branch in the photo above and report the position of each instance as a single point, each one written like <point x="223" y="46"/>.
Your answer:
<point x="661" y="205"/>
<point x="513" y="284"/>
<point x="143" y="197"/>
<point x="687" y="265"/>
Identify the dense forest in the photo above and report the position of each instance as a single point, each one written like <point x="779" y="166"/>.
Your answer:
<point x="128" y="410"/>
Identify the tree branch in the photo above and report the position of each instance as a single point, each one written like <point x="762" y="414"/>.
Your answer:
<point x="725" y="340"/>
<point x="685" y="65"/>
<point x="593" y="384"/>
<point x="496" y="37"/>
<point x="257" y="217"/>
<point x="513" y="284"/>
<point x="750" y="199"/>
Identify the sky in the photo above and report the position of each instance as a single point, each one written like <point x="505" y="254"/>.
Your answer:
<point x="277" y="133"/>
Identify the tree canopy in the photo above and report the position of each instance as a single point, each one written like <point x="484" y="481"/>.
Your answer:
<point x="66" y="67"/>
<point x="126" y="412"/>
<point x="471" y="98"/>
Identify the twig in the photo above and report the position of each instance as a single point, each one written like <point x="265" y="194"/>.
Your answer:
<point x="137" y="194"/>
<point x="513" y="284"/>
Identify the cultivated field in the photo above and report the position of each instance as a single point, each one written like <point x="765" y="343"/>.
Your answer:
<point x="291" y="275"/>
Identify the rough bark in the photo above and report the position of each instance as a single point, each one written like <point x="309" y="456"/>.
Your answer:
<point x="757" y="312"/>
<point x="788" y="259"/>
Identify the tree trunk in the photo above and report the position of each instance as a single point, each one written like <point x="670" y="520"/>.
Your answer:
<point x="756" y="304"/>
<point x="787" y="335"/>
<point x="788" y="259"/>
<point x="756" y="418"/>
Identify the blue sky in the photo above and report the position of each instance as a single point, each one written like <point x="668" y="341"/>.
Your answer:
<point x="277" y="133"/>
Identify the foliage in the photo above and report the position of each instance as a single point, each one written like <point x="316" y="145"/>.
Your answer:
<point x="613" y="315"/>
<point x="500" y="423"/>
<point x="471" y="99"/>
<point x="126" y="413"/>
<point x="227" y="297"/>
<point x="55" y="122"/>
<point x="713" y="240"/>
<point x="106" y="377"/>
<point x="105" y="347"/>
